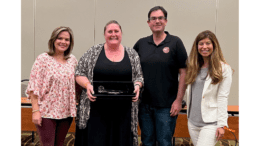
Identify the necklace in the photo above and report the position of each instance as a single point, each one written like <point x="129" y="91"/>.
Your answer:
<point x="113" y="60"/>
<point x="113" y="53"/>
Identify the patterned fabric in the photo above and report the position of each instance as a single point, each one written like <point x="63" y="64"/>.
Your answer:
<point x="85" y="68"/>
<point x="54" y="84"/>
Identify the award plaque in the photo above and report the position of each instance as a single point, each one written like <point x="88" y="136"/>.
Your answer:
<point x="113" y="88"/>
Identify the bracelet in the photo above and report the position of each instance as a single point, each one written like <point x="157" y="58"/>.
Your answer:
<point x="35" y="111"/>
<point x="87" y="84"/>
<point x="138" y="85"/>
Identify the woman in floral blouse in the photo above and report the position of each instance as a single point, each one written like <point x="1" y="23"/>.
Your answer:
<point x="52" y="88"/>
<point x="108" y="122"/>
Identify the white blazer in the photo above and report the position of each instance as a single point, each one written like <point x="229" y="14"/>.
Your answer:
<point x="214" y="98"/>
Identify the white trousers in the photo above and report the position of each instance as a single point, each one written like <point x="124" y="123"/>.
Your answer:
<point x="203" y="136"/>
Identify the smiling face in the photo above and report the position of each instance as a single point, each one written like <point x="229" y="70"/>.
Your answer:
<point x="157" y="21"/>
<point x="205" y="48"/>
<point x="113" y="34"/>
<point x="62" y="42"/>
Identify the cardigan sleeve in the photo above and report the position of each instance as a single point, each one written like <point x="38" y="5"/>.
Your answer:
<point x="82" y="67"/>
<point x="137" y="70"/>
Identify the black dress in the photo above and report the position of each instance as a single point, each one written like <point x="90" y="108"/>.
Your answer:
<point x="110" y="119"/>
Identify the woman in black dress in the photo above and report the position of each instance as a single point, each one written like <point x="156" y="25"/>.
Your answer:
<point x="108" y="122"/>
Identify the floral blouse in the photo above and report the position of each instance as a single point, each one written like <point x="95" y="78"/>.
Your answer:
<point x="54" y="84"/>
<point x="85" y="68"/>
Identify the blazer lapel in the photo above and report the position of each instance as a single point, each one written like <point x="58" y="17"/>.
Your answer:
<point x="206" y="84"/>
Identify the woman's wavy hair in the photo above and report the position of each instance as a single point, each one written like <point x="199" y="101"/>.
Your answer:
<point x="195" y="60"/>
<point x="55" y="35"/>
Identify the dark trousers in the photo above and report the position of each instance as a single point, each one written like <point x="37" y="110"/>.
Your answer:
<point x="156" y="125"/>
<point x="53" y="131"/>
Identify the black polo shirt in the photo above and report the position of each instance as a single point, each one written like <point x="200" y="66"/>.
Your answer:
<point x="160" y="65"/>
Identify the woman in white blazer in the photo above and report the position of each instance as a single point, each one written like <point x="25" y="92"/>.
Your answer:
<point x="208" y="82"/>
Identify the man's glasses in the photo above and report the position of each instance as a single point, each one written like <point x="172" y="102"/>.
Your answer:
<point x="155" y="18"/>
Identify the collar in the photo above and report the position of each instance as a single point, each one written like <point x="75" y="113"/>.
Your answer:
<point x="167" y="39"/>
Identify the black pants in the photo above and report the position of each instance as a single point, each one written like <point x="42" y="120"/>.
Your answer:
<point x="109" y="124"/>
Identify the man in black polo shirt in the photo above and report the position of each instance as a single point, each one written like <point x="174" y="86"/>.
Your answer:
<point x="162" y="58"/>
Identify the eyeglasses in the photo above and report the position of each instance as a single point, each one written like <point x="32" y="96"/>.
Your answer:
<point x="155" y="18"/>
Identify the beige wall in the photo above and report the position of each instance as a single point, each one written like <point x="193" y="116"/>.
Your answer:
<point x="186" y="18"/>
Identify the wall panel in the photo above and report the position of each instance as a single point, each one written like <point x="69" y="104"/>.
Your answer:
<point x="227" y="34"/>
<point x="131" y="15"/>
<point x="27" y="38"/>
<point x="186" y="18"/>
<point x="78" y="15"/>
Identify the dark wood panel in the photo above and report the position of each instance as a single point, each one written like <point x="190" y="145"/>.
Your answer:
<point x="181" y="129"/>
<point x="26" y="120"/>
<point x="27" y="124"/>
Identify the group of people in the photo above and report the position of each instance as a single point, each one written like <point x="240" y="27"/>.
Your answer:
<point x="161" y="72"/>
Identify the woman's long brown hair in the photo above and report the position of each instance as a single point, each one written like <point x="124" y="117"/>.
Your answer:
<point x="195" y="60"/>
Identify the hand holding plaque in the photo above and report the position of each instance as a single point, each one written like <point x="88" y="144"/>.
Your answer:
<point x="90" y="92"/>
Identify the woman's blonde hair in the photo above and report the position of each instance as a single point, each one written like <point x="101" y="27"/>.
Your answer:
<point x="195" y="60"/>
<point x="55" y="35"/>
